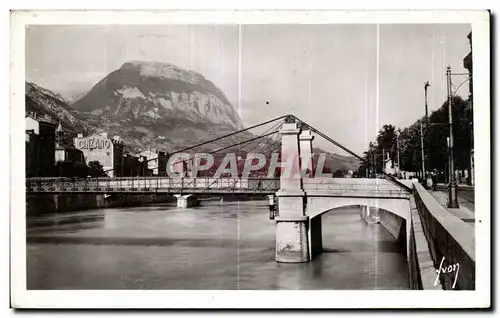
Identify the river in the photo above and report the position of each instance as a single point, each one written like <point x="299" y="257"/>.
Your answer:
<point x="228" y="245"/>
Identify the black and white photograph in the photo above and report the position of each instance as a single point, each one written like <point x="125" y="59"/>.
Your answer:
<point x="201" y="154"/>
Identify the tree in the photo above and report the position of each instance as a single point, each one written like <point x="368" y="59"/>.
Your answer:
<point x="96" y="169"/>
<point x="70" y="169"/>
<point x="367" y="168"/>
<point x="339" y="173"/>
<point x="386" y="139"/>
<point x="435" y="140"/>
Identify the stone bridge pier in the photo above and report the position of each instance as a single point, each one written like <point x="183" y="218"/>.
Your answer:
<point x="302" y="200"/>
<point x="370" y="214"/>
<point x="186" y="200"/>
<point x="292" y="225"/>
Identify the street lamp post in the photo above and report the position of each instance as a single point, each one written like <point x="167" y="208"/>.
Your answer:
<point x="374" y="165"/>
<point x="367" y="171"/>
<point x="427" y="175"/>
<point x="447" y="171"/>
<point x="422" y="148"/>
<point x="452" y="185"/>
<point x="426" y="109"/>
<point x="383" y="160"/>
<point x="468" y="79"/>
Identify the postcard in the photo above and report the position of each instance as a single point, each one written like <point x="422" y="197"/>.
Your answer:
<point x="250" y="159"/>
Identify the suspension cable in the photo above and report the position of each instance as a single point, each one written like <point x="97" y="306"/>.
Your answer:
<point x="388" y="176"/>
<point x="228" y="135"/>
<point x="216" y="139"/>
<point x="263" y="135"/>
<point x="274" y="129"/>
<point x="231" y="146"/>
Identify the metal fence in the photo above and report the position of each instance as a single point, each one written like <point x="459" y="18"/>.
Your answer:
<point x="152" y="185"/>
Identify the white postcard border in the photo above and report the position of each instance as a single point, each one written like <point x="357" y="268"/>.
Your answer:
<point x="256" y="299"/>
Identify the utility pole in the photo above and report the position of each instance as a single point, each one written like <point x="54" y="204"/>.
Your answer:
<point x="452" y="185"/>
<point x="447" y="178"/>
<point x="422" y="149"/>
<point x="370" y="162"/>
<point x="374" y="165"/>
<point x="397" y="151"/>
<point x="426" y="109"/>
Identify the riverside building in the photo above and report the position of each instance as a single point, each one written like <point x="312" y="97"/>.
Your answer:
<point x="98" y="147"/>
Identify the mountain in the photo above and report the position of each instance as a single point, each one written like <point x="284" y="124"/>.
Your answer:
<point x="154" y="105"/>
<point x="47" y="103"/>
<point x="158" y="92"/>
<point x="158" y="105"/>
<point x="73" y="97"/>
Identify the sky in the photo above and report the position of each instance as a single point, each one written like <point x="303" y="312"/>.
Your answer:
<point x="347" y="80"/>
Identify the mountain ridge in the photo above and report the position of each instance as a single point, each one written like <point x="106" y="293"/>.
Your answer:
<point x="161" y="91"/>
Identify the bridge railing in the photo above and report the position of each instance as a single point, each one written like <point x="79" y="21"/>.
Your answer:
<point x="151" y="184"/>
<point x="349" y="186"/>
<point x="450" y="240"/>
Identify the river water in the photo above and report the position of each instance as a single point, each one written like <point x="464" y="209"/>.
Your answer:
<point x="216" y="246"/>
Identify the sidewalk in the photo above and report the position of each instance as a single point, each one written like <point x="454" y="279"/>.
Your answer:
<point x="462" y="213"/>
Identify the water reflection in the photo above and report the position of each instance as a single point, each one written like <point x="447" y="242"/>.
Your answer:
<point x="217" y="246"/>
<point x="65" y="222"/>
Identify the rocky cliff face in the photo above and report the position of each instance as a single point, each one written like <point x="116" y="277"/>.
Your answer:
<point x="158" y="93"/>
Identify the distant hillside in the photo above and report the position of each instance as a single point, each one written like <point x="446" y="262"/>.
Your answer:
<point x="44" y="102"/>
<point x="338" y="162"/>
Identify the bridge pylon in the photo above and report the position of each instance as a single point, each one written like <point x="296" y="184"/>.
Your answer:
<point x="292" y="224"/>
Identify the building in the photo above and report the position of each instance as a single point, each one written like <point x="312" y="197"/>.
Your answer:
<point x="64" y="150"/>
<point x="108" y="152"/>
<point x="40" y="145"/>
<point x="157" y="161"/>
<point x="468" y="66"/>
<point x="135" y="166"/>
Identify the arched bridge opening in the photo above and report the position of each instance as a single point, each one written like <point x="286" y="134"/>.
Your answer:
<point x="392" y="214"/>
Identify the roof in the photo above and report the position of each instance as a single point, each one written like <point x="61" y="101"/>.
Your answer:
<point x="40" y="119"/>
<point x="67" y="147"/>
<point x="59" y="127"/>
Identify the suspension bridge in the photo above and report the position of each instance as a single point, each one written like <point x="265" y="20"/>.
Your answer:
<point x="265" y="143"/>
<point x="406" y="209"/>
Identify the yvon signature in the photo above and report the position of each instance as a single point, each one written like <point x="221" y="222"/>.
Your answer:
<point x="447" y="270"/>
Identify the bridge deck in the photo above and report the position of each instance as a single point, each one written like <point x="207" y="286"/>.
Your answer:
<point x="153" y="185"/>
<point x="315" y="186"/>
